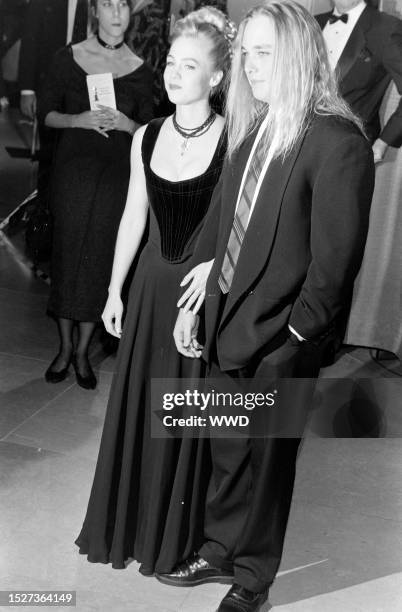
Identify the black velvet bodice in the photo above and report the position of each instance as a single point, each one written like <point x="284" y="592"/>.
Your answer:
<point x="177" y="207"/>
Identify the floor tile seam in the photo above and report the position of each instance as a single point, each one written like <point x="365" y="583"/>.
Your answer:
<point x="19" y="256"/>
<point x="184" y="605"/>
<point x="339" y="593"/>
<point x="20" y="356"/>
<point x="333" y="604"/>
<point x="45" y="405"/>
<point x="46" y="450"/>
<point x="90" y="462"/>
<point x="332" y="507"/>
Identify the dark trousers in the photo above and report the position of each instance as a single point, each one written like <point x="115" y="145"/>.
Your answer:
<point x="251" y="490"/>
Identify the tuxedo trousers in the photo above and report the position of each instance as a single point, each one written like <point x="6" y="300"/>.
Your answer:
<point x="250" y="493"/>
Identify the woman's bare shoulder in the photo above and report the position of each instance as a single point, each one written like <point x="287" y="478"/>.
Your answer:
<point x="132" y="59"/>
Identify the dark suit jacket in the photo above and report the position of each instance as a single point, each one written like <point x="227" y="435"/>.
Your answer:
<point x="45" y="31"/>
<point x="11" y="19"/>
<point x="2" y="86"/>
<point x="371" y="59"/>
<point x="302" y="249"/>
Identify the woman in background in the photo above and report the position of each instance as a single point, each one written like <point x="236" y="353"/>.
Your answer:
<point x="148" y="494"/>
<point x="90" y="177"/>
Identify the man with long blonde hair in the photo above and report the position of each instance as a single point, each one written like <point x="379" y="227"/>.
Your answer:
<point x="286" y="232"/>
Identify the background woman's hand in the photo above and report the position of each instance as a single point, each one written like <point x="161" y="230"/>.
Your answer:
<point x="112" y="315"/>
<point x="91" y="120"/>
<point x="195" y="293"/>
<point x="115" y="119"/>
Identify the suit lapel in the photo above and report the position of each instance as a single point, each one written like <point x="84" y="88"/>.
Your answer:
<point x="60" y="19"/>
<point x="355" y="44"/>
<point x="259" y="238"/>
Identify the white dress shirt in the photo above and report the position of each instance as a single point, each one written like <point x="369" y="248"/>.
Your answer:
<point x="258" y="186"/>
<point x="337" y="34"/>
<point x="72" y="7"/>
<point x="263" y="171"/>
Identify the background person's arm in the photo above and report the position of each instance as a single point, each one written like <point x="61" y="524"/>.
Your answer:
<point x="391" y="134"/>
<point x="32" y="31"/>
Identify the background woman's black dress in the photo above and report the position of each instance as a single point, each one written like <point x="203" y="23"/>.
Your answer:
<point x="147" y="498"/>
<point x="89" y="187"/>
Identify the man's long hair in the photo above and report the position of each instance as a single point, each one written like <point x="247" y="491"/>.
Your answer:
<point x="302" y="83"/>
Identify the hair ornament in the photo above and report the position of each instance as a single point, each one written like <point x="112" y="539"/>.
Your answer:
<point x="230" y="31"/>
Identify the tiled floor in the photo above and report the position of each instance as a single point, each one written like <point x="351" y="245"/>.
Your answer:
<point x="344" y="540"/>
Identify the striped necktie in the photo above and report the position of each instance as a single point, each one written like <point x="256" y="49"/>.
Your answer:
<point x="80" y="29"/>
<point x="242" y="217"/>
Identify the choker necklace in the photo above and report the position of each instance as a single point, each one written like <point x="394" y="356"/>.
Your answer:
<point x="188" y="133"/>
<point x="107" y="46"/>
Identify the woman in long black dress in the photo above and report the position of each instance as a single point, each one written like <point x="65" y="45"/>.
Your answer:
<point x="148" y="494"/>
<point x="90" y="176"/>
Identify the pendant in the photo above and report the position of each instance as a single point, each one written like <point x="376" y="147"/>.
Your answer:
<point x="183" y="147"/>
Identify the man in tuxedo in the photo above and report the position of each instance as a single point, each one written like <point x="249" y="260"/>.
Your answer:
<point x="11" y="20"/>
<point x="284" y="238"/>
<point x="48" y="26"/>
<point x="365" y="50"/>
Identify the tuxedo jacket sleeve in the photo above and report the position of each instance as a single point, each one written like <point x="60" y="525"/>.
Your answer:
<point x="392" y="62"/>
<point x="44" y="33"/>
<point x="2" y="86"/>
<point x="30" y="43"/>
<point x="376" y="43"/>
<point x="342" y="187"/>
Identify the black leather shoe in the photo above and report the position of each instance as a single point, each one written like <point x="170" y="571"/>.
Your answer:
<point x="195" y="571"/>
<point x="239" y="599"/>
<point x="145" y="571"/>
<point x="86" y="382"/>
<point x="53" y="376"/>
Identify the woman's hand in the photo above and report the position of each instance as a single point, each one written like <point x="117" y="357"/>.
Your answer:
<point x="116" y="120"/>
<point x="185" y="334"/>
<point x="112" y="315"/>
<point x="195" y="293"/>
<point x="379" y="149"/>
<point x="91" y="120"/>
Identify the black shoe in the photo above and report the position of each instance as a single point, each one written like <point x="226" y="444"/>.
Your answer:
<point x="54" y="376"/>
<point x="145" y="571"/>
<point x="239" y="599"/>
<point x="195" y="571"/>
<point x="89" y="380"/>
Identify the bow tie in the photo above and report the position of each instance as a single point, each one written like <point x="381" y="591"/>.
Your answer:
<point x="334" y="18"/>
